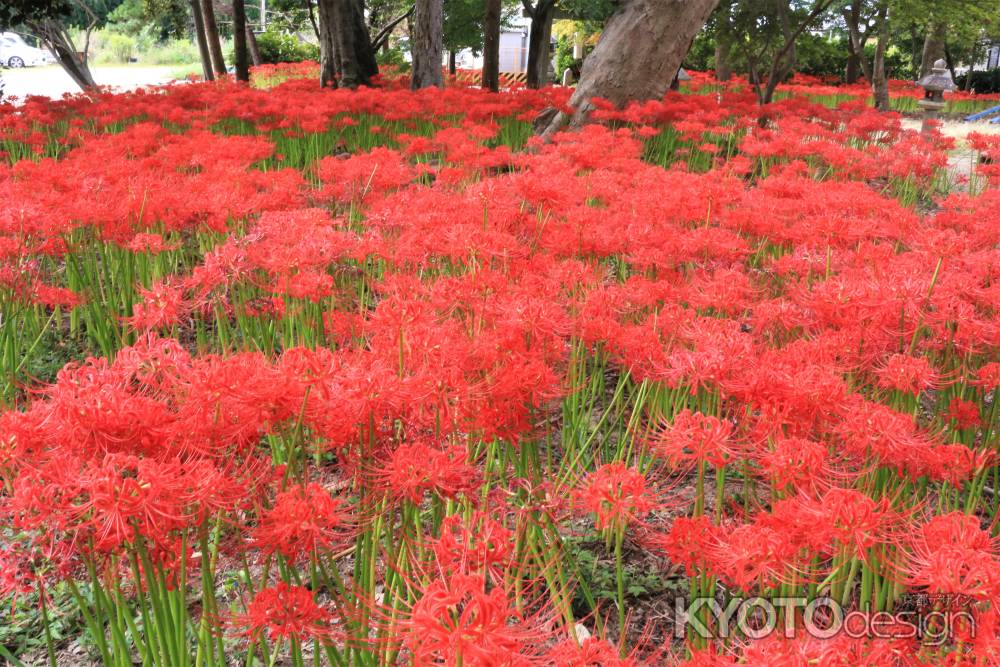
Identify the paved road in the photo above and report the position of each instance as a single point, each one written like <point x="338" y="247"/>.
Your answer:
<point x="52" y="81"/>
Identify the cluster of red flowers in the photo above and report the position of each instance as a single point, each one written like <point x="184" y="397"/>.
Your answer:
<point x="366" y="356"/>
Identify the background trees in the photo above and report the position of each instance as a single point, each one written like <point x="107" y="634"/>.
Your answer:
<point x="760" y="41"/>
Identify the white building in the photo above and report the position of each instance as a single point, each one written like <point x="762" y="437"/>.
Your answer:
<point x="513" y="49"/>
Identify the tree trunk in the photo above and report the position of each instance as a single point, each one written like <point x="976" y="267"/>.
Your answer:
<point x="426" y="43"/>
<point x="199" y="34"/>
<point x="491" y="46"/>
<point x="880" y="79"/>
<point x="240" y="53"/>
<point x="539" y="38"/>
<point x="252" y="46"/>
<point x="53" y="34"/>
<point x="933" y="47"/>
<point x="212" y="36"/>
<point x="346" y="54"/>
<point x="856" y="45"/>
<point x="723" y="64"/>
<point x="327" y="44"/>
<point x="452" y="62"/>
<point x="972" y="68"/>
<point x="641" y="47"/>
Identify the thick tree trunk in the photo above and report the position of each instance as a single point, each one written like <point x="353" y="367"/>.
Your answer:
<point x="327" y="44"/>
<point x="641" y="47"/>
<point x="880" y="79"/>
<point x="539" y="39"/>
<point x="240" y="52"/>
<point x="199" y="35"/>
<point x="212" y="36"/>
<point x="427" y="43"/>
<point x="255" y="57"/>
<point x="934" y="47"/>
<point x="346" y="54"/>
<point x="491" y="45"/>
<point x="723" y="64"/>
<point x="855" y="44"/>
<point x="53" y="34"/>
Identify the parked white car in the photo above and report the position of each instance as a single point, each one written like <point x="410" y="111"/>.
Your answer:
<point x="15" y="52"/>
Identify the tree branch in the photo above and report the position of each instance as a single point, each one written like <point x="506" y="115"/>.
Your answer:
<point x="384" y="33"/>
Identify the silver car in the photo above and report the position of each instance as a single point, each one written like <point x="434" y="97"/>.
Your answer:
<point x="15" y="52"/>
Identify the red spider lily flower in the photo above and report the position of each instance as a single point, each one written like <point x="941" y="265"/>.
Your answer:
<point x="952" y="554"/>
<point x="687" y="543"/>
<point x="798" y="464"/>
<point x="459" y="620"/>
<point x="906" y="374"/>
<point x="591" y="652"/>
<point x="161" y="307"/>
<point x="988" y="376"/>
<point x="305" y="520"/>
<point x="616" y="495"/>
<point x="481" y="544"/>
<point x="964" y="413"/>
<point x="284" y="612"/>
<point x="413" y="470"/>
<point x="694" y="438"/>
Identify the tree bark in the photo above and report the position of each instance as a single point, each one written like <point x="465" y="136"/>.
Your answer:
<point x="346" y="54"/>
<point x="491" y="46"/>
<point x="212" y="36"/>
<point x="880" y="79"/>
<point x="856" y="63"/>
<point x="452" y="62"/>
<point x="427" y="44"/>
<point x="723" y="63"/>
<point x="327" y="44"/>
<point x="784" y="61"/>
<point x="199" y="34"/>
<point x="641" y="47"/>
<point x="53" y="34"/>
<point x="240" y="52"/>
<point x="539" y="38"/>
<point x="934" y="47"/>
<point x="255" y="57"/>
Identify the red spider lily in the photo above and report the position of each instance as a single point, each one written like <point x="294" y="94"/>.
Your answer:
<point x="616" y="496"/>
<point x="694" y="438"/>
<point x="284" y="612"/>
<point x="952" y="554"/>
<point x="480" y="545"/>
<point x="304" y="520"/>
<point x="458" y="620"/>
<point x="801" y="465"/>
<point x="964" y="413"/>
<point x="413" y="470"/>
<point x="909" y="375"/>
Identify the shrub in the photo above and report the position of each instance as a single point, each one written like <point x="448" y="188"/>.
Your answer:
<point x="117" y="48"/>
<point x="984" y="83"/>
<point x="278" y="47"/>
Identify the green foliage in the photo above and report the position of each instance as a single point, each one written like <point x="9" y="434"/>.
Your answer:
<point x="14" y="12"/>
<point x="394" y="58"/>
<point x="982" y="82"/>
<point x="819" y="56"/>
<point x="162" y="19"/>
<point x="118" y="48"/>
<point x="279" y="47"/>
<point x="898" y="64"/>
<point x="171" y="52"/>
<point x="598" y="577"/>
<point x="463" y="25"/>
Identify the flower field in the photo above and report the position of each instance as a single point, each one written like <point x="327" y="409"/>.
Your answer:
<point x="294" y="376"/>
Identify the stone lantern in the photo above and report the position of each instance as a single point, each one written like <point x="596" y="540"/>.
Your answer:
<point x="935" y="85"/>
<point x="682" y="75"/>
